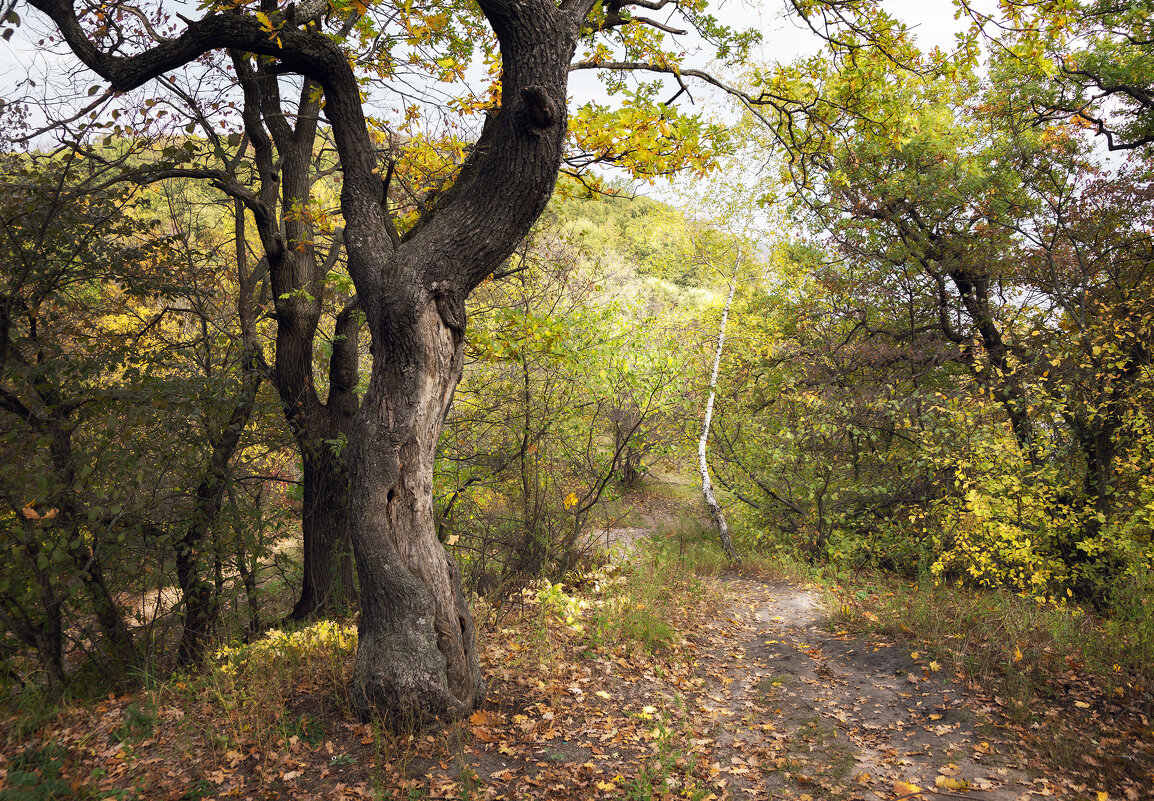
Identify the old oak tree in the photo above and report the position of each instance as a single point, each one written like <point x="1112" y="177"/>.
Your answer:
<point x="417" y="657"/>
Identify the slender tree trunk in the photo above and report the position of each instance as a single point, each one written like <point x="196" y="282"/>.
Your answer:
<point x="42" y="629"/>
<point x="1096" y="436"/>
<point x="327" y="580"/>
<point x="121" y="647"/>
<point x="122" y="650"/>
<point x="974" y="292"/>
<point x="247" y="574"/>
<point x="199" y="597"/>
<point x="706" y="484"/>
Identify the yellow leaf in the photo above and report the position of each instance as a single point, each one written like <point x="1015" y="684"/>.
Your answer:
<point x="452" y="539"/>
<point x="1017" y="654"/>
<point x="603" y="694"/>
<point x="948" y="783"/>
<point x="905" y="788"/>
<point x="1081" y="705"/>
<point x="571" y="500"/>
<point x="935" y="667"/>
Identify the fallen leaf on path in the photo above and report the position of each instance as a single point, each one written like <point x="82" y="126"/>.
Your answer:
<point x="948" y="783"/>
<point x="905" y="789"/>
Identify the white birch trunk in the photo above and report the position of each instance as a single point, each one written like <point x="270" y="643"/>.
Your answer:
<point x="706" y="483"/>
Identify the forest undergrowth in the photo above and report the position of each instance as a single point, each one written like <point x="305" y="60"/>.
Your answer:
<point x="646" y="678"/>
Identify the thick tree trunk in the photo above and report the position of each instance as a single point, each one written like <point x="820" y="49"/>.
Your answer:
<point x="283" y="153"/>
<point x="322" y="431"/>
<point x="417" y="658"/>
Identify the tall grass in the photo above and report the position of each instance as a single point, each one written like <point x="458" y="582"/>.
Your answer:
<point x="253" y="687"/>
<point x="1015" y="643"/>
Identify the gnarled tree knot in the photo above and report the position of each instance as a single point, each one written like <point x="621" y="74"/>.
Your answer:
<point x="451" y="307"/>
<point x="542" y="112"/>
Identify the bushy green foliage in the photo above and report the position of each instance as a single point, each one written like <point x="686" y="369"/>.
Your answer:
<point x="948" y="382"/>
<point x="306" y="652"/>
<point x="120" y="382"/>
<point x="566" y="402"/>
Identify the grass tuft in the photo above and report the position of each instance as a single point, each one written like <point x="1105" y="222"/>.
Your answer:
<point x="254" y="686"/>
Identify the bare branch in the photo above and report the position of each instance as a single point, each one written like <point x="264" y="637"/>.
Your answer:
<point x="140" y="15"/>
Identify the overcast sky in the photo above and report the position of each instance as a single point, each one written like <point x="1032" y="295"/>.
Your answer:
<point x="784" y="40"/>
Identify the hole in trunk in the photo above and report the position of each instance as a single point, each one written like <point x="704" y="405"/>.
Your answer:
<point x="392" y="494"/>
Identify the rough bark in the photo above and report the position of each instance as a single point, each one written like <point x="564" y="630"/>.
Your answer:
<point x="327" y="579"/>
<point x="417" y="657"/>
<point x="418" y="648"/>
<point x="715" y="511"/>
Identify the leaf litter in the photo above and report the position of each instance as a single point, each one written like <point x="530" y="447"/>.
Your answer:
<point x="755" y="698"/>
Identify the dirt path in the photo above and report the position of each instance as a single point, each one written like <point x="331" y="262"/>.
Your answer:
<point x="775" y="706"/>
<point x="841" y="717"/>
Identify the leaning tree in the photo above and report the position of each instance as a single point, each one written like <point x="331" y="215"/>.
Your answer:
<point x="417" y="657"/>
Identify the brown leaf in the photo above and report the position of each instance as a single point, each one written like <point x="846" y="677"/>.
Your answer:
<point x="484" y="717"/>
<point x="484" y="734"/>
